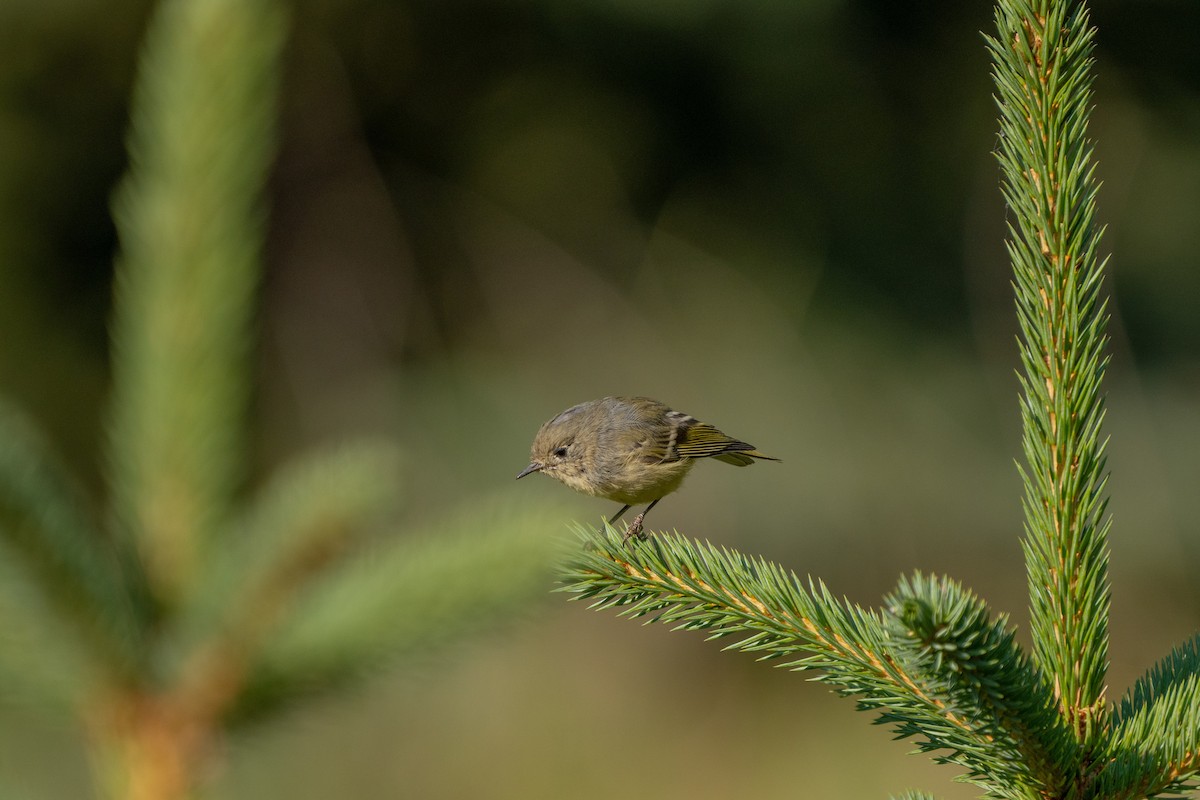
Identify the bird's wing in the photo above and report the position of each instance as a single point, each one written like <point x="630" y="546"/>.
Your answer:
<point x="686" y="437"/>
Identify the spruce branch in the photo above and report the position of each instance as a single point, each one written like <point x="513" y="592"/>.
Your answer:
<point x="1155" y="743"/>
<point x="45" y="662"/>
<point x="190" y="220"/>
<point x="310" y="514"/>
<point x="408" y="595"/>
<point x="1042" y="70"/>
<point x="972" y="664"/>
<point x="932" y="664"/>
<point x="47" y="532"/>
<point x="200" y="612"/>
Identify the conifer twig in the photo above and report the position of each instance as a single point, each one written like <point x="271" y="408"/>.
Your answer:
<point x="1042" y="55"/>
<point x="190" y="219"/>
<point x="877" y="657"/>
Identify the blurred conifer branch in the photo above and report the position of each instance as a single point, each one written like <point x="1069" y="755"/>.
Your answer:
<point x="47" y="527"/>
<point x="190" y="218"/>
<point x="197" y="606"/>
<point x="935" y="663"/>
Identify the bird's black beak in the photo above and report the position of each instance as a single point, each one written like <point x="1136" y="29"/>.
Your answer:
<point x="534" y="467"/>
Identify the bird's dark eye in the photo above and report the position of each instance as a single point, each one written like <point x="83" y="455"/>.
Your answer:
<point x="560" y="452"/>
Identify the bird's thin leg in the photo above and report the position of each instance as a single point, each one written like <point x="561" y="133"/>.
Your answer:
<point x="615" y="517"/>
<point x="635" y="527"/>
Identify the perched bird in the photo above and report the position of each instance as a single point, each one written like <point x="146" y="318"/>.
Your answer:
<point x="631" y="450"/>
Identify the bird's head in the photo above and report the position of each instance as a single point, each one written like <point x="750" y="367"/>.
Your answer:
<point x="560" y="450"/>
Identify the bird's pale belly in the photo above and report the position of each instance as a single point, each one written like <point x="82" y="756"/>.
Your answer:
<point x="641" y="483"/>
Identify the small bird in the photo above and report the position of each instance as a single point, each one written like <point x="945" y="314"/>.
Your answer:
<point x="631" y="450"/>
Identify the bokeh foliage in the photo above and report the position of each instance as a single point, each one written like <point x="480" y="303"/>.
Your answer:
<point x="197" y="604"/>
<point x="818" y="171"/>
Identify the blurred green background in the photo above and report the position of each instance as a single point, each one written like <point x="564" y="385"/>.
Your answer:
<point x="782" y="217"/>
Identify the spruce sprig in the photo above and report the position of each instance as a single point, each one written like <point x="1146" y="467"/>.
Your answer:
<point x="1154" y="748"/>
<point x="935" y="663"/>
<point x="190" y="217"/>
<point x="971" y="663"/>
<point x="932" y="663"/>
<point x="1042" y="54"/>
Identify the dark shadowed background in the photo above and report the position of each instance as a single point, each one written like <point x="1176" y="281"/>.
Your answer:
<point x="781" y="216"/>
